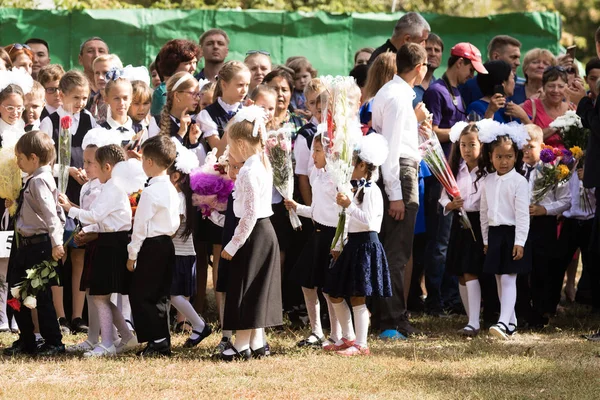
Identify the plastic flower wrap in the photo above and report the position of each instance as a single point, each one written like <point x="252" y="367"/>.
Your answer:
<point x="556" y="166"/>
<point x="211" y="185"/>
<point x="10" y="177"/>
<point x="279" y="150"/>
<point x="38" y="279"/>
<point x="433" y="155"/>
<point x="571" y="130"/>
<point x="341" y="137"/>
<point x="64" y="152"/>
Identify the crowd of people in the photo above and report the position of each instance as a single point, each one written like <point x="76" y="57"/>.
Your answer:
<point x="491" y="252"/>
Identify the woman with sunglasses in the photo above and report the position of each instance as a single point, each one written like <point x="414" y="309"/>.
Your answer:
<point x="542" y="111"/>
<point x="21" y="56"/>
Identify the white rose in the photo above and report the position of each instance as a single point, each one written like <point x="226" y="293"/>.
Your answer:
<point x="30" y="302"/>
<point x="15" y="292"/>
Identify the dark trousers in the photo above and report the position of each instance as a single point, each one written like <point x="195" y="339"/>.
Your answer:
<point x="397" y="239"/>
<point x="150" y="288"/>
<point x="22" y="259"/>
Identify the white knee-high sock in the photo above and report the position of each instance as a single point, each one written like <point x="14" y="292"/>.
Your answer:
<point x="242" y="339"/>
<point x="119" y="323"/>
<point x="508" y="298"/>
<point x="464" y="297"/>
<point x="257" y="339"/>
<point x="105" y="316"/>
<point x="474" y="301"/>
<point x="311" y="298"/>
<point x="185" y="307"/>
<point x="336" y="329"/>
<point x="93" y="320"/>
<point x="361" y="320"/>
<point x="342" y="312"/>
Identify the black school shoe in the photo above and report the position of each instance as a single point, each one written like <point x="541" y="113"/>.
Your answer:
<point x="65" y="328"/>
<point x="162" y="349"/>
<point x="263" y="352"/>
<point x="243" y="355"/>
<point x="201" y="336"/>
<point x="18" y="348"/>
<point x="50" y="350"/>
<point x="79" y="326"/>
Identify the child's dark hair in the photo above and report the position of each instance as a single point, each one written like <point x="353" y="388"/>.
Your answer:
<point x="38" y="143"/>
<point x="485" y="161"/>
<point x="455" y="156"/>
<point x="11" y="89"/>
<point x="161" y="150"/>
<point x="190" y="214"/>
<point x="371" y="171"/>
<point x="110" y="154"/>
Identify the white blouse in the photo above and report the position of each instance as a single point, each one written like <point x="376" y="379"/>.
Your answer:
<point x="157" y="213"/>
<point x="252" y="200"/>
<point x="555" y="201"/>
<point x="324" y="209"/>
<point x="207" y="125"/>
<point x="368" y="215"/>
<point x="125" y="131"/>
<point x="505" y="201"/>
<point x="46" y="124"/>
<point x="89" y="192"/>
<point x="11" y="133"/>
<point x="469" y="192"/>
<point x="110" y="211"/>
<point x="577" y="190"/>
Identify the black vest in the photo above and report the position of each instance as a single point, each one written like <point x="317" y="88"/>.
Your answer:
<point x="220" y="117"/>
<point x="174" y="132"/>
<point x="308" y="131"/>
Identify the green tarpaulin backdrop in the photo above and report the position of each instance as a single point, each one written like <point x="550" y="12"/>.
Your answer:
<point x="328" y="40"/>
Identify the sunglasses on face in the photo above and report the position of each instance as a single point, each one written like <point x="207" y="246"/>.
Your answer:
<point x="555" y="67"/>
<point x="264" y="53"/>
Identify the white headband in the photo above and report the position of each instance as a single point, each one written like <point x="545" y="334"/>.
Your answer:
<point x="184" y="78"/>
<point x="17" y="76"/>
<point x="256" y="115"/>
<point x="186" y="160"/>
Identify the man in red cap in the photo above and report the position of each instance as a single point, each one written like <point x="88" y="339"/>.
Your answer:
<point x="447" y="107"/>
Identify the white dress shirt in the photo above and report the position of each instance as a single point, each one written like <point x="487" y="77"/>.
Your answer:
<point x="11" y="133"/>
<point x="394" y="117"/>
<point x="303" y="154"/>
<point x="324" y="209"/>
<point x="125" y="130"/>
<point x="251" y="200"/>
<point x="50" y="109"/>
<point x="89" y="192"/>
<point x="153" y="128"/>
<point x="505" y="201"/>
<point x="368" y="215"/>
<point x="110" y="211"/>
<point x="556" y="200"/>
<point x="157" y="213"/>
<point x="46" y="124"/>
<point x="577" y="211"/>
<point x="207" y="125"/>
<point x="469" y="192"/>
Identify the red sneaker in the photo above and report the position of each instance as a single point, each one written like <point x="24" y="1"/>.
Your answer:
<point x="346" y="344"/>
<point x="354" y="350"/>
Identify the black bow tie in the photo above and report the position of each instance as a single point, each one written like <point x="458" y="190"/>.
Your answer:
<point x="360" y="183"/>
<point x="147" y="182"/>
<point x="29" y="128"/>
<point x="122" y="129"/>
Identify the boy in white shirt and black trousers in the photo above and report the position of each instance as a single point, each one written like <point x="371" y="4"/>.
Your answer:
<point x="39" y="226"/>
<point x="542" y="237"/>
<point x="151" y="251"/>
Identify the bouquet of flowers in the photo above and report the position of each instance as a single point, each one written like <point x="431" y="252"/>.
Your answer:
<point x="211" y="185"/>
<point x="571" y="130"/>
<point x="134" y="199"/>
<point x="10" y="177"/>
<point x="433" y="155"/>
<point x="38" y="279"/>
<point x="341" y="137"/>
<point x="64" y="152"/>
<point x="556" y="167"/>
<point x="279" y="151"/>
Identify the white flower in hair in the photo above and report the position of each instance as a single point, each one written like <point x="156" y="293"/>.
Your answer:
<point x="202" y="83"/>
<point x="373" y="149"/>
<point x="17" y="76"/>
<point x="101" y="137"/>
<point x="517" y="133"/>
<point x="456" y="130"/>
<point x="186" y="160"/>
<point x="489" y="130"/>
<point x="129" y="176"/>
<point x="132" y="73"/>
<point x="255" y="115"/>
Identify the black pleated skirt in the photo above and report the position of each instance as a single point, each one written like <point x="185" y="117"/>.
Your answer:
<point x="465" y="255"/>
<point x="86" y="276"/>
<point x="206" y="231"/>
<point x="310" y="270"/>
<point x="499" y="258"/>
<point x="254" y="282"/>
<point x="184" y="276"/>
<point x="109" y="265"/>
<point x="361" y="270"/>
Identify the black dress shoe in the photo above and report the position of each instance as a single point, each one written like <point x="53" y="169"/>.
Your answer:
<point x="243" y="355"/>
<point x="263" y="352"/>
<point x="49" y="350"/>
<point x="162" y="349"/>
<point x="201" y="336"/>
<point x="65" y="328"/>
<point x="18" y="348"/>
<point x="79" y="326"/>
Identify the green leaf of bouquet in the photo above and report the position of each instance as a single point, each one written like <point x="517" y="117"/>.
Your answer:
<point x="35" y="283"/>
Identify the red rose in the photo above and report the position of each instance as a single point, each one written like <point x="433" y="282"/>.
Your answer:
<point x="66" y="122"/>
<point x="14" y="304"/>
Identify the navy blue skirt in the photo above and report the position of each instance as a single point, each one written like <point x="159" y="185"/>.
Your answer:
<point x="360" y="270"/>
<point x="499" y="258"/>
<point x="465" y="255"/>
<point x="184" y="276"/>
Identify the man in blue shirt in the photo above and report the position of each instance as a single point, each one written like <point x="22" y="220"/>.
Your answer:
<point x="505" y="48"/>
<point x="435" y="48"/>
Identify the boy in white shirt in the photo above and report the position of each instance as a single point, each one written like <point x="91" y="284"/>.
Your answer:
<point x="151" y="251"/>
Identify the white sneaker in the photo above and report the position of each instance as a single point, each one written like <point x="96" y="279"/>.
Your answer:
<point x="83" y="346"/>
<point x="132" y="344"/>
<point x="101" y="351"/>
